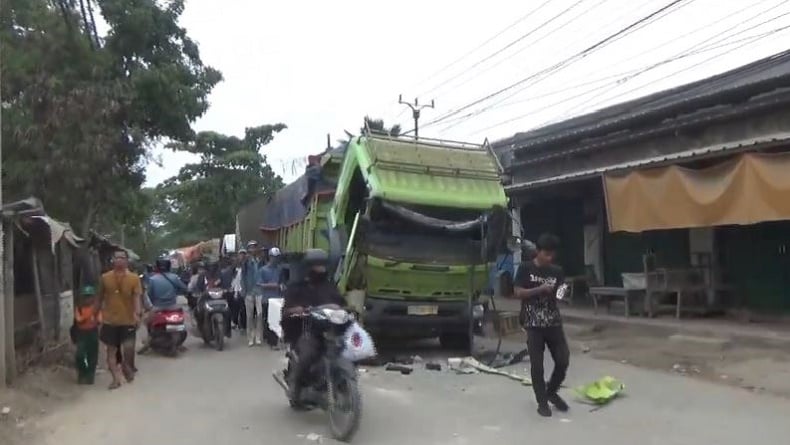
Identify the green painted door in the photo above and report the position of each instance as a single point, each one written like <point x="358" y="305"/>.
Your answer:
<point x="623" y="252"/>
<point x="756" y="262"/>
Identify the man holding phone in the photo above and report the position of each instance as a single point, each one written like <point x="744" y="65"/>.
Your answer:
<point x="536" y="284"/>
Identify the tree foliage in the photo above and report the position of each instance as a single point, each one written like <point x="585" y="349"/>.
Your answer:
<point x="376" y="126"/>
<point x="205" y="196"/>
<point x="80" y="111"/>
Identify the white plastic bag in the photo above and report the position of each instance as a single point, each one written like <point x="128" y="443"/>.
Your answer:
<point x="359" y="344"/>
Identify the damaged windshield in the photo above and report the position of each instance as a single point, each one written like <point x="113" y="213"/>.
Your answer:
<point x="425" y="234"/>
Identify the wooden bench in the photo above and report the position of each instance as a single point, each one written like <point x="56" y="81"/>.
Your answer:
<point x="609" y="293"/>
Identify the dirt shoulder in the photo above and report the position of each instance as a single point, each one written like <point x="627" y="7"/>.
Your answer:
<point x="39" y="392"/>
<point x="748" y="365"/>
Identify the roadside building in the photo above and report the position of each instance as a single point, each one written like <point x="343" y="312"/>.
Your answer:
<point x="692" y="182"/>
<point x="41" y="265"/>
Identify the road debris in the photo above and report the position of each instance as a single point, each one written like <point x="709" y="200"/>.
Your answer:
<point x="433" y="366"/>
<point x="405" y="370"/>
<point x="502" y="359"/>
<point x="600" y="392"/>
<point x="463" y="366"/>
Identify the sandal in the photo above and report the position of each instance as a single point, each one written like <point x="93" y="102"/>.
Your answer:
<point x="114" y="385"/>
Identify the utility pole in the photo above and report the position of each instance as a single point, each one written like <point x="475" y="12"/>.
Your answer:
<point x="415" y="112"/>
<point x="3" y="296"/>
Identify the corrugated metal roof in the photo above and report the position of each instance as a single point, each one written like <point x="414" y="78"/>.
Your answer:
<point x="707" y="95"/>
<point x="718" y="149"/>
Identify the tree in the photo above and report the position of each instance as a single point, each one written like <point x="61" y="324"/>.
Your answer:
<point x="376" y="126"/>
<point x="205" y="196"/>
<point x="80" y="112"/>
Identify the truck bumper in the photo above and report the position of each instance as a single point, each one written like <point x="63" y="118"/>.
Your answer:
<point x="391" y="318"/>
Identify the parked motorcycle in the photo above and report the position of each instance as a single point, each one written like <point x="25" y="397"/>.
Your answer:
<point x="211" y="313"/>
<point x="334" y="387"/>
<point x="167" y="330"/>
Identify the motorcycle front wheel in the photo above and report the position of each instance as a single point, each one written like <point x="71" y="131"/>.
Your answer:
<point x="218" y="328"/>
<point x="345" y="405"/>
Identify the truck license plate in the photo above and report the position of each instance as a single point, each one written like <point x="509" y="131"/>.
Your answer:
<point x="423" y="310"/>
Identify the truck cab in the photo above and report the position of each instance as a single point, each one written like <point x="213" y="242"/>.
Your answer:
<point x="413" y="227"/>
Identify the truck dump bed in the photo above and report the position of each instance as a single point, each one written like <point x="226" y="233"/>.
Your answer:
<point x="429" y="172"/>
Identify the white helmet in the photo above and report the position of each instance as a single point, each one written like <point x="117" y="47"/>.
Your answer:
<point x="274" y="252"/>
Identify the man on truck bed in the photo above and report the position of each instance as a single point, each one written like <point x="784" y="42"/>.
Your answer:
<point x="536" y="285"/>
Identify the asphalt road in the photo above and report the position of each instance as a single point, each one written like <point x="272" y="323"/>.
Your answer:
<point x="229" y="397"/>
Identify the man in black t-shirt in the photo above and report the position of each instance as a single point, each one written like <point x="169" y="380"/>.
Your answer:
<point x="536" y="285"/>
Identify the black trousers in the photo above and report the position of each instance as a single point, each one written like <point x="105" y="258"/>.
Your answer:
<point x="232" y="307"/>
<point x="538" y="339"/>
<point x="238" y="313"/>
<point x="308" y="350"/>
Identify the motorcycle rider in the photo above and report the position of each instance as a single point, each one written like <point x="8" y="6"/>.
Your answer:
<point x="162" y="292"/>
<point x="314" y="290"/>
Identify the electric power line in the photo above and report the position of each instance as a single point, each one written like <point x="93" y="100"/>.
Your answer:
<point x="665" y="77"/>
<point x="469" y="53"/>
<point x="696" y="49"/>
<point x="541" y="76"/>
<point x="598" y="45"/>
<point x="680" y="56"/>
<point x="506" y="47"/>
<point x="530" y="45"/>
<point x="643" y="52"/>
<point x="489" y="40"/>
<point x="747" y="40"/>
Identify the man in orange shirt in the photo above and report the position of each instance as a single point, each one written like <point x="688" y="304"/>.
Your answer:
<point x="120" y="301"/>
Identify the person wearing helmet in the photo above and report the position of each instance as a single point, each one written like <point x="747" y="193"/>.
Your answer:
<point x="272" y="287"/>
<point x="314" y="290"/>
<point x="163" y="289"/>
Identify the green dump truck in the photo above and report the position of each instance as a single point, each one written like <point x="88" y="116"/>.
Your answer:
<point x="410" y="225"/>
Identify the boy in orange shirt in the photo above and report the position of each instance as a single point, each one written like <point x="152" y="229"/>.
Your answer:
<point x="87" y="320"/>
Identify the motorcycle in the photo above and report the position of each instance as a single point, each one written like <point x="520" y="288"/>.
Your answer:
<point x="167" y="330"/>
<point x="212" y="316"/>
<point x="334" y="387"/>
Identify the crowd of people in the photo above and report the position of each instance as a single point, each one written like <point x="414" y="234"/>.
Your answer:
<point x="112" y="312"/>
<point x="250" y="278"/>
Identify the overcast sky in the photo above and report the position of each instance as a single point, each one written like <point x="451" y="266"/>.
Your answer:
<point x="320" y="66"/>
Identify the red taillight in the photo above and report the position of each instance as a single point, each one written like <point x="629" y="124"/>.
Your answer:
<point x="174" y="318"/>
<point x="356" y="340"/>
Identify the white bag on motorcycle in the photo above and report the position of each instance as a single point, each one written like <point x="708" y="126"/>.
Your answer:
<point x="359" y="344"/>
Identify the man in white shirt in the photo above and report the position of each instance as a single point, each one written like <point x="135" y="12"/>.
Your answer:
<point x="238" y="313"/>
